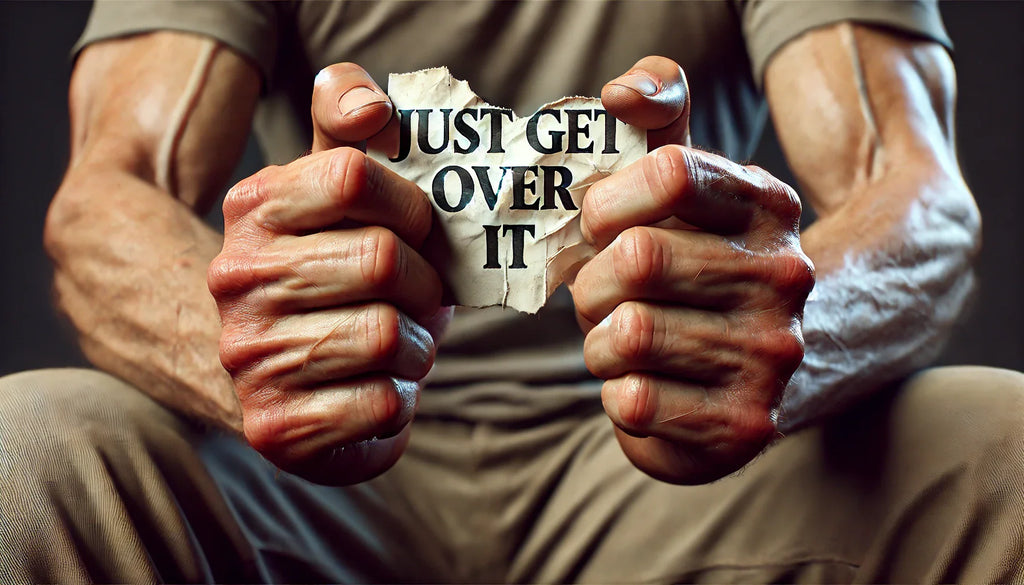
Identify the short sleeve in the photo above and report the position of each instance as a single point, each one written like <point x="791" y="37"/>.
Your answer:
<point x="248" y="27"/>
<point x="770" y="24"/>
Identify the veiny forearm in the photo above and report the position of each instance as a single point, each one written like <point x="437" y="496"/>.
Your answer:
<point x="130" y="273"/>
<point x="893" y="272"/>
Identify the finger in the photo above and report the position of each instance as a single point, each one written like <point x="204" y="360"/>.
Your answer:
<point x="339" y="434"/>
<point x="646" y="405"/>
<point x="330" y="269"/>
<point x="707" y="436"/>
<point x="348" y="107"/>
<point x="309" y="350"/>
<point x="652" y="95"/>
<point x="704" y="190"/>
<point x="685" y="344"/>
<point x="696" y="269"/>
<point x="322" y="189"/>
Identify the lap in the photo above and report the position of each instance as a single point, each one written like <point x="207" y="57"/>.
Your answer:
<point x="923" y="479"/>
<point x="918" y="484"/>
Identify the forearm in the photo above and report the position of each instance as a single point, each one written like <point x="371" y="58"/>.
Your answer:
<point x="894" y="271"/>
<point x="130" y="274"/>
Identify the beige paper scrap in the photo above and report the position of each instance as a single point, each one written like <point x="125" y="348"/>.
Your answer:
<point x="506" y="190"/>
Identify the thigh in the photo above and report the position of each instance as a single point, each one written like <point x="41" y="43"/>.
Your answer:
<point x="919" y="484"/>
<point x="101" y="484"/>
<point x="401" y="527"/>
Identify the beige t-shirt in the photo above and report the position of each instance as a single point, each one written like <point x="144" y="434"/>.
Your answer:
<point x="518" y="54"/>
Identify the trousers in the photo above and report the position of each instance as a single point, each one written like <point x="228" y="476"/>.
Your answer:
<point x="922" y="483"/>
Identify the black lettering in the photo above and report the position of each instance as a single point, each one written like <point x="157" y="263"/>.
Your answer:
<point x="491" y="232"/>
<point x="575" y="130"/>
<point x="490" y="193"/>
<point x="518" y="242"/>
<point x="609" y="132"/>
<point x="404" y="134"/>
<point x="467" y="131"/>
<point x="422" y="127"/>
<point x="561" y="188"/>
<point x="438" y="189"/>
<point x="520" y="186"/>
<point x="556" y="135"/>
<point x="495" y="114"/>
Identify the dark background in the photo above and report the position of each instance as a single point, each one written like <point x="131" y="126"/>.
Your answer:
<point x="35" y="38"/>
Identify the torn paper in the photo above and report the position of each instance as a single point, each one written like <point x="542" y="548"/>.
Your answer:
<point x="507" y="191"/>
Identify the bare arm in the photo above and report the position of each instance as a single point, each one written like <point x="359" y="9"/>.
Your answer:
<point x="866" y="120"/>
<point x="158" y="123"/>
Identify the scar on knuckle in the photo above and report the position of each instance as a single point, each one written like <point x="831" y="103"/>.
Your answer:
<point x="634" y="332"/>
<point x="639" y="260"/>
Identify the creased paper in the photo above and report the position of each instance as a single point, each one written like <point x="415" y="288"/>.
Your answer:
<point x="506" y="190"/>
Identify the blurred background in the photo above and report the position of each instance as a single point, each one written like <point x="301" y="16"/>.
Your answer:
<point x="35" y="38"/>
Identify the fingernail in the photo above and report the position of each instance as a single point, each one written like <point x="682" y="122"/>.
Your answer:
<point x="638" y="82"/>
<point x="358" y="97"/>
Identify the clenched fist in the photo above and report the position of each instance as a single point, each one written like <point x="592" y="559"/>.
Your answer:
<point x="330" y="314"/>
<point x="693" y="305"/>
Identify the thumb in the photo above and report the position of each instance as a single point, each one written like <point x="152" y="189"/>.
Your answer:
<point x="652" y="95"/>
<point x="348" y="107"/>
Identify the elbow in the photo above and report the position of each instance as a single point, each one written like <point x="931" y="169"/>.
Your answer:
<point x="963" y="212"/>
<point x="65" y="210"/>
<point x="71" y="215"/>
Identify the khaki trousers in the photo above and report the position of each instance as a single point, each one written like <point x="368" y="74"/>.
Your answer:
<point x="921" y="484"/>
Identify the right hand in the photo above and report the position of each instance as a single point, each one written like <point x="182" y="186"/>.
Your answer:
<point x="330" y="315"/>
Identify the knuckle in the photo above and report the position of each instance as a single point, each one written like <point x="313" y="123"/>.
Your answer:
<point x="267" y="429"/>
<point x="248" y="194"/>
<point x="668" y="172"/>
<point x="238" y="350"/>
<point x="635" y="401"/>
<point x="229" y="275"/>
<point x="792" y="274"/>
<point x="783" y="350"/>
<point x="752" y="428"/>
<point x="388" y="404"/>
<point x="595" y="213"/>
<point x="345" y="177"/>
<point x="777" y="196"/>
<point x="639" y="260"/>
<point x="381" y="258"/>
<point x="382" y="330"/>
<point x="634" y="331"/>
<point x="260" y="436"/>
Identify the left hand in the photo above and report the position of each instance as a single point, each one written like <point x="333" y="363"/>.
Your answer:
<point x="693" y="304"/>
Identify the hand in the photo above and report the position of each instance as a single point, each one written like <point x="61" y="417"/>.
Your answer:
<point x="693" y="304"/>
<point x="330" y="315"/>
